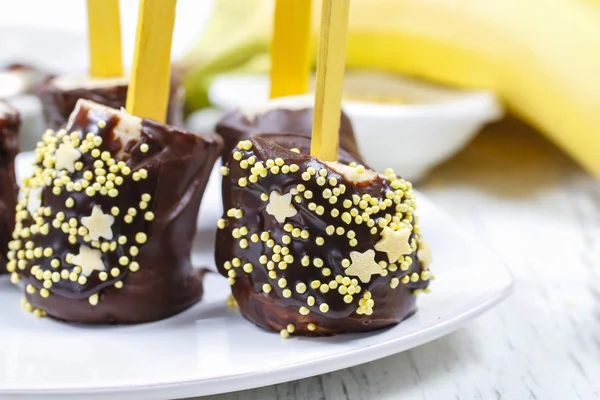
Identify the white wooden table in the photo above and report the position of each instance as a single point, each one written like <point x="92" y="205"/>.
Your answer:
<point x="541" y="214"/>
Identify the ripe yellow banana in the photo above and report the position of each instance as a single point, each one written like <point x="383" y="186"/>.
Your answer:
<point x="541" y="56"/>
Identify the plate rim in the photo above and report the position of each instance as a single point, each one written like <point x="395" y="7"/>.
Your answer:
<point x="289" y="372"/>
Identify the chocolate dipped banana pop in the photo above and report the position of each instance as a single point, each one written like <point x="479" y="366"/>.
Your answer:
<point x="318" y="248"/>
<point x="60" y="94"/>
<point x="9" y="130"/>
<point x="105" y="227"/>
<point x="281" y="115"/>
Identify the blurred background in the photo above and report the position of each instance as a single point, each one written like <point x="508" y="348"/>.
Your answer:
<point x="423" y="75"/>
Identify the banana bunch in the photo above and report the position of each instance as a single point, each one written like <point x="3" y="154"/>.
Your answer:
<point x="541" y="56"/>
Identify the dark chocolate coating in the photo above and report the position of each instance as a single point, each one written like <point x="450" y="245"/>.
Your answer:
<point x="234" y="126"/>
<point x="57" y="103"/>
<point x="9" y="147"/>
<point x="273" y="310"/>
<point x="178" y="166"/>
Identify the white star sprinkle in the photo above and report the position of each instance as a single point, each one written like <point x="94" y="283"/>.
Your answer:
<point x="66" y="155"/>
<point x="394" y="243"/>
<point x="89" y="260"/>
<point x="363" y="265"/>
<point x="34" y="200"/>
<point x="99" y="224"/>
<point x="280" y="206"/>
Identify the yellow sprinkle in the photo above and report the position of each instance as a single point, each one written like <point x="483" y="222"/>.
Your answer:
<point x="284" y="333"/>
<point x="93" y="299"/>
<point x="301" y="288"/>
<point x="141" y="237"/>
<point x="287" y="293"/>
<point x="134" y="266"/>
<point x="247" y="268"/>
<point x="144" y="148"/>
<point x="304" y="311"/>
<point x="266" y="288"/>
<point x="324" y="307"/>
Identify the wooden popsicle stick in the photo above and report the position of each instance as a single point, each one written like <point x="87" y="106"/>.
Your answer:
<point x="331" y="60"/>
<point x="290" y="48"/>
<point x="148" y="93"/>
<point x="104" y="32"/>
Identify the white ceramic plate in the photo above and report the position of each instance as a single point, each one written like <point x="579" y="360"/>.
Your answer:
<point x="212" y="349"/>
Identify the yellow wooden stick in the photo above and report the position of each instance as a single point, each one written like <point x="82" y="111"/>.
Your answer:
<point x="148" y="94"/>
<point x="290" y="48"/>
<point x="331" y="60"/>
<point x="104" y="31"/>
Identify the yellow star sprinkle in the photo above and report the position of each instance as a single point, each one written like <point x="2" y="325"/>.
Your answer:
<point x="89" y="260"/>
<point x="394" y="243"/>
<point x="66" y="155"/>
<point x="280" y="206"/>
<point x="99" y="224"/>
<point x="363" y="265"/>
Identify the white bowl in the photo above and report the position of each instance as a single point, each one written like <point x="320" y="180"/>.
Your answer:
<point x="411" y="137"/>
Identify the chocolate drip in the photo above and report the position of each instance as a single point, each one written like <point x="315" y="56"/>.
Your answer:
<point x="58" y="103"/>
<point x="167" y="173"/>
<point x="9" y="147"/>
<point x="236" y="126"/>
<point x="323" y="253"/>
